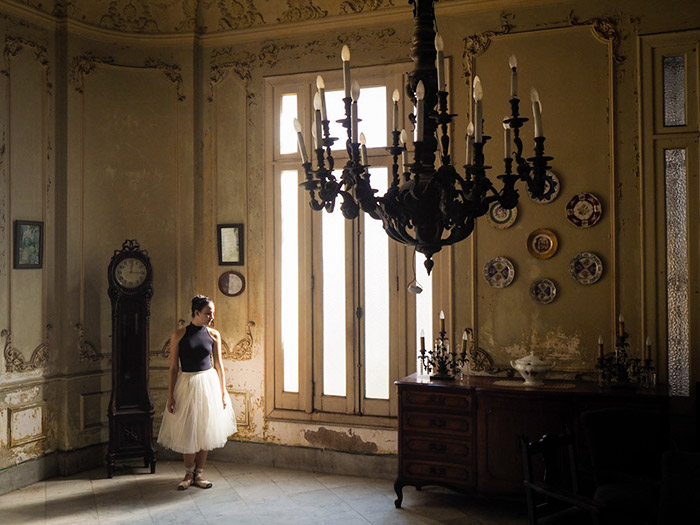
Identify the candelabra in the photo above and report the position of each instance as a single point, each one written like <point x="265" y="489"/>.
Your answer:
<point x="426" y="206"/>
<point x="620" y="369"/>
<point x="441" y="362"/>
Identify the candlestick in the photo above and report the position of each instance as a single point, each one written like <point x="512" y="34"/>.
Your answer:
<point x="396" y="96"/>
<point x="620" y="325"/>
<point x="300" y="141"/>
<point x="506" y="139"/>
<point x="317" y="122"/>
<point x="420" y="110"/>
<point x="345" y="56"/>
<point x="513" y="63"/>
<point x="321" y="85"/>
<point x="363" y="149"/>
<point x="440" y="63"/>
<point x="403" y="137"/>
<point x="355" y="94"/>
<point x="478" y="119"/>
<point x="600" y="347"/>
<point x="647" y="349"/>
<point x="536" y="112"/>
<point x="465" y="338"/>
<point x="442" y="321"/>
<point x="470" y="143"/>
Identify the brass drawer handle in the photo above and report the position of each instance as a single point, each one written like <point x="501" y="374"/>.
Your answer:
<point x="438" y="423"/>
<point x="439" y="471"/>
<point x="437" y="447"/>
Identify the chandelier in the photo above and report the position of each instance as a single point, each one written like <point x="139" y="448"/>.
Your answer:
<point x="428" y="204"/>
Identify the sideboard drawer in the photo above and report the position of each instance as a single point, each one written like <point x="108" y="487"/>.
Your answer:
<point x="435" y="471"/>
<point x="436" y="401"/>
<point x="437" y="449"/>
<point x="444" y="424"/>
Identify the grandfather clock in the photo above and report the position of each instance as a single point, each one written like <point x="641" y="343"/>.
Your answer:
<point x="130" y="411"/>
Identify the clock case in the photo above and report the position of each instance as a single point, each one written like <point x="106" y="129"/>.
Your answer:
<point x="130" y="409"/>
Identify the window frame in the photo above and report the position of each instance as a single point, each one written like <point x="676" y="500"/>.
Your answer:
<point x="309" y="405"/>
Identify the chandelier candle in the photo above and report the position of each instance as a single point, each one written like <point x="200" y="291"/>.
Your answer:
<point x="363" y="150"/>
<point x="600" y="347"/>
<point x="536" y="112"/>
<point x="506" y="138"/>
<point x="300" y="141"/>
<point x="395" y="96"/>
<point x="404" y="153"/>
<point x="470" y="143"/>
<point x="513" y="63"/>
<point x="317" y="121"/>
<point x="647" y="349"/>
<point x="420" y="111"/>
<point x="321" y="85"/>
<point x="442" y="321"/>
<point x="345" y="56"/>
<point x="478" y="111"/>
<point x="440" y="62"/>
<point x="354" y="122"/>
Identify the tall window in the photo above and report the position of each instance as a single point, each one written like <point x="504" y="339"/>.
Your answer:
<point x="345" y="325"/>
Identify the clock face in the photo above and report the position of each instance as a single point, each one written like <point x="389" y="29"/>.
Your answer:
<point x="130" y="272"/>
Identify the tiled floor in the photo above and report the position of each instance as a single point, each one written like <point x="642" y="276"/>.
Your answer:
<point x="242" y="494"/>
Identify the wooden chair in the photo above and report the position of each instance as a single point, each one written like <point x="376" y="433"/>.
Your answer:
<point x="551" y="483"/>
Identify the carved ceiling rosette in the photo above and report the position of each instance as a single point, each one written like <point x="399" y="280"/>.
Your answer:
<point x="299" y="10"/>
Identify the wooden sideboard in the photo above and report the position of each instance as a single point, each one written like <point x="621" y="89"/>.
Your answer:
<point x="464" y="435"/>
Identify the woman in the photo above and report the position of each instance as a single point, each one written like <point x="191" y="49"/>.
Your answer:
<point x="198" y="416"/>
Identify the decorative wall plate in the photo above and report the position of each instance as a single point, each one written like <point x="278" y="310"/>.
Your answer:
<point x="542" y="243"/>
<point x="499" y="272"/>
<point x="543" y="291"/>
<point x="586" y="268"/>
<point x="550" y="190"/>
<point x="584" y="210"/>
<point x="501" y="218"/>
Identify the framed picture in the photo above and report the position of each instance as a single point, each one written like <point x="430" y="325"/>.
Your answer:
<point x="230" y="244"/>
<point x="28" y="244"/>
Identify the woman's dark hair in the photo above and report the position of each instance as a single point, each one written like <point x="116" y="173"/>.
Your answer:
<point x="199" y="302"/>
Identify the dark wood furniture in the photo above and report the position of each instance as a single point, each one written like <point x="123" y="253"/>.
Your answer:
<point x="465" y="435"/>
<point x="130" y="411"/>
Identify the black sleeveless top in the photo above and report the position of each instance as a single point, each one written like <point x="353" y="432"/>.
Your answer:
<point x="195" y="349"/>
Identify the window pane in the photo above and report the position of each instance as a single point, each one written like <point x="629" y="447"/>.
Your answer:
<point x="333" y="253"/>
<point x="288" y="112"/>
<point x="371" y="110"/>
<point x="677" y="282"/>
<point x="674" y="91"/>
<point x="424" y="305"/>
<point x="376" y="292"/>
<point x="289" y="270"/>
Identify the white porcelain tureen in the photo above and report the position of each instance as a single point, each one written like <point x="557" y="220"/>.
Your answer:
<point x="533" y="368"/>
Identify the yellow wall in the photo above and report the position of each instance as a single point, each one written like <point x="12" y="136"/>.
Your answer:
<point x="114" y="127"/>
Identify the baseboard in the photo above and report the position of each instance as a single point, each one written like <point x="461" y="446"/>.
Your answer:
<point x="59" y="463"/>
<point x="302" y="458"/>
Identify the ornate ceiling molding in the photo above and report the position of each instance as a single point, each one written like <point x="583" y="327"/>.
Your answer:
<point x="238" y="15"/>
<point x="358" y="6"/>
<point x="83" y="65"/>
<point x="14" y="358"/>
<point x="132" y="16"/>
<point x="299" y="10"/>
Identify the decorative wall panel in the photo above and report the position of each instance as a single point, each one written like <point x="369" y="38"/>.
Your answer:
<point x="26" y="424"/>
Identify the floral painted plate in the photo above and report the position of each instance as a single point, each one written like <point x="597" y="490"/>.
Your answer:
<point x="584" y="210"/>
<point x="586" y="268"/>
<point x="499" y="272"/>
<point x="542" y="243"/>
<point x="501" y="218"/>
<point x="543" y="291"/>
<point x="551" y="190"/>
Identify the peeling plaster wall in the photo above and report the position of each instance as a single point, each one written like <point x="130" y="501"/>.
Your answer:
<point x="107" y="135"/>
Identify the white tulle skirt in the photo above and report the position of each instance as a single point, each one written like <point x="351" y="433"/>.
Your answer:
<point x="200" y="421"/>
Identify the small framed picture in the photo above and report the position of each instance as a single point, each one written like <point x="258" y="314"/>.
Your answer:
<point x="28" y="244"/>
<point x="230" y="244"/>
